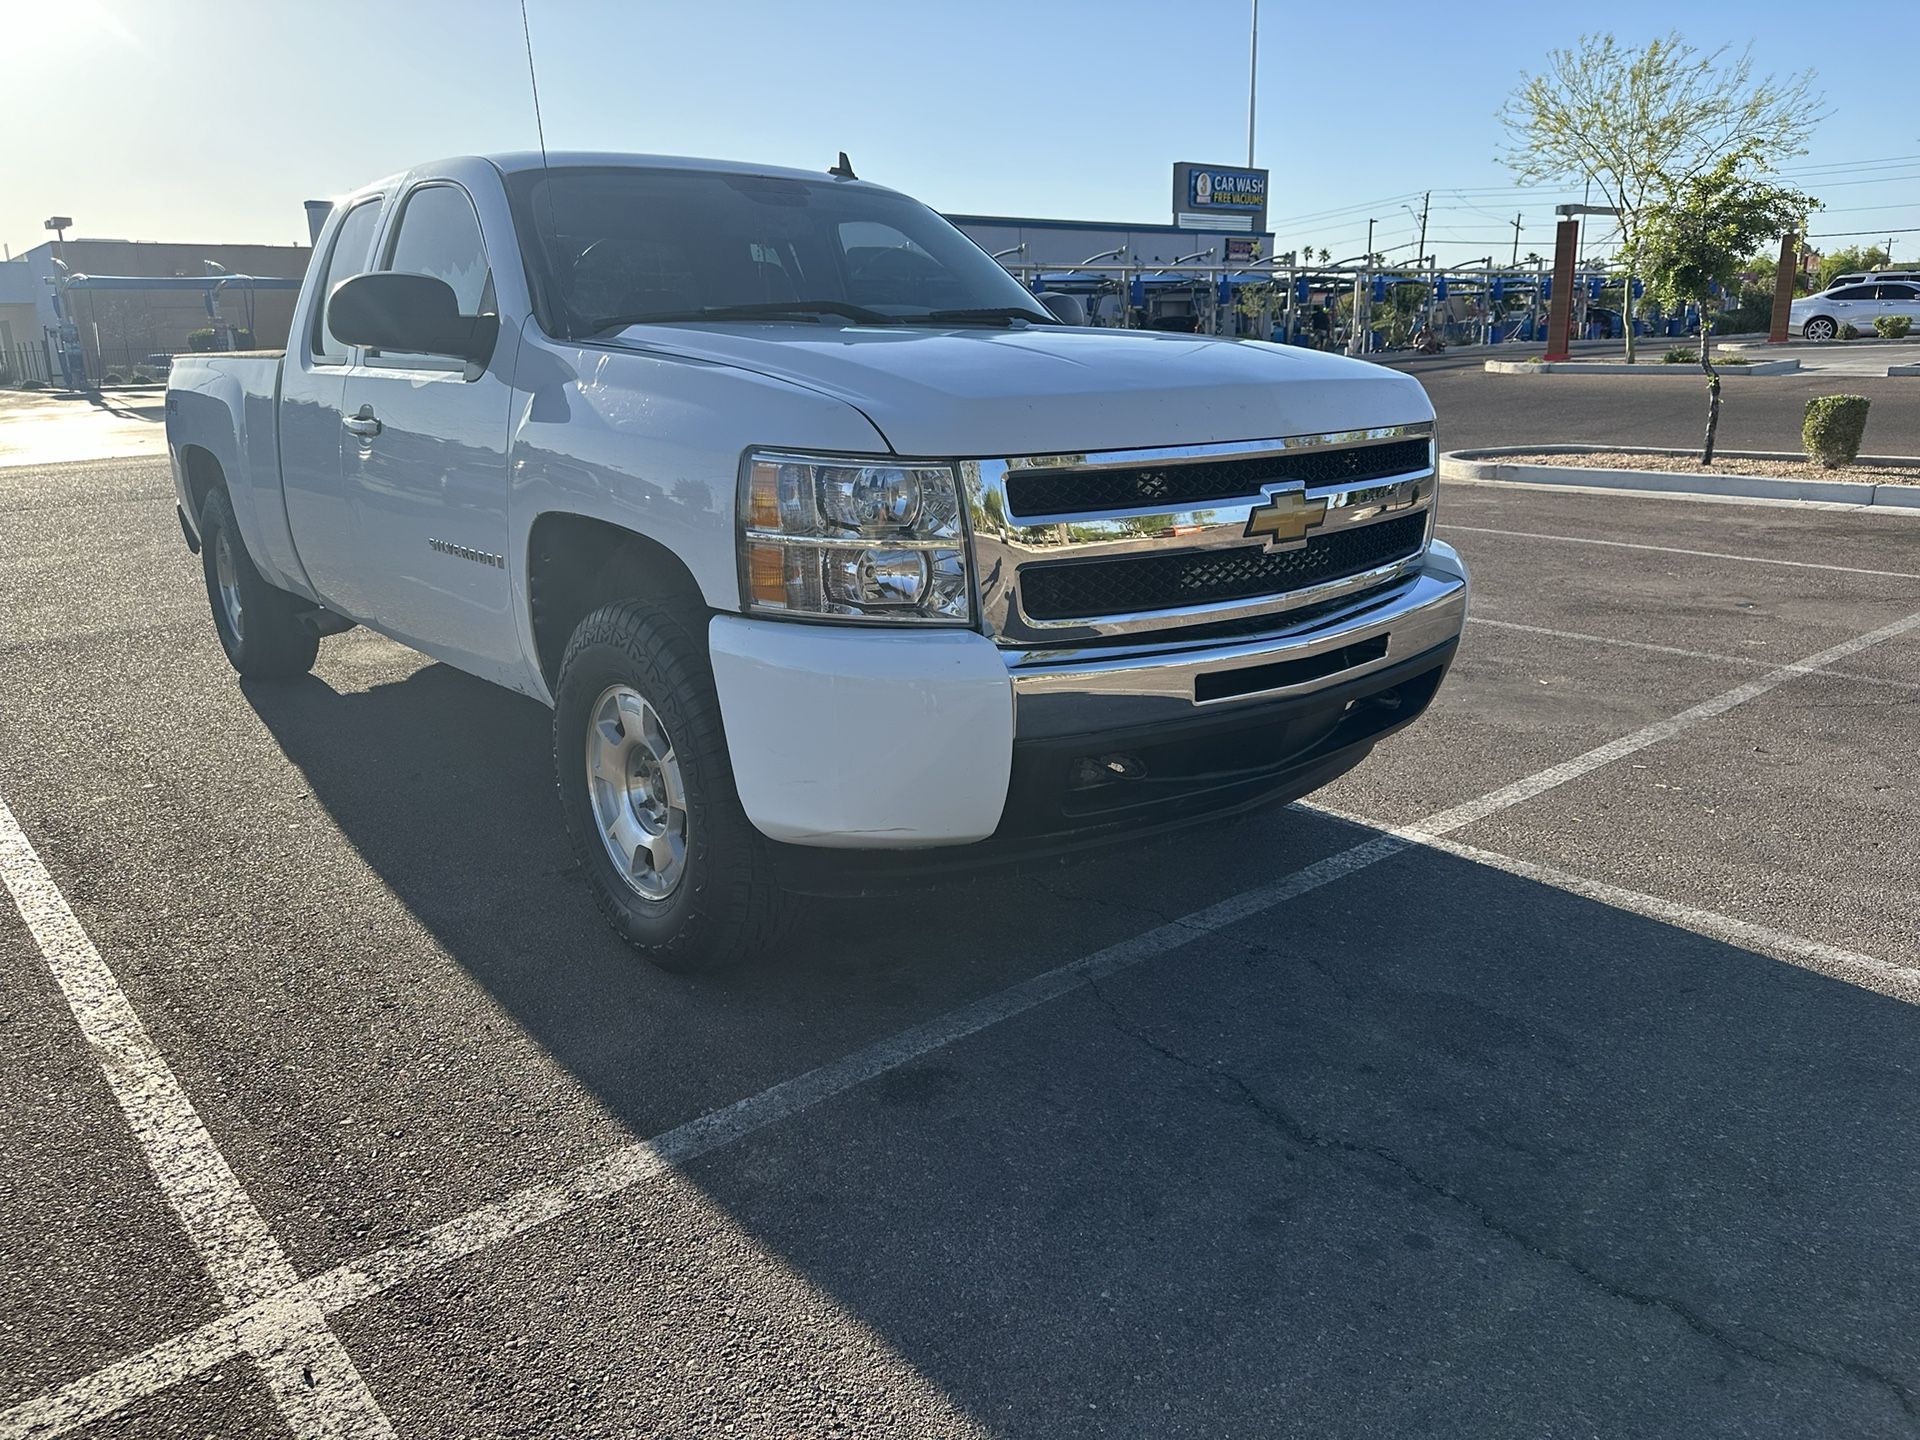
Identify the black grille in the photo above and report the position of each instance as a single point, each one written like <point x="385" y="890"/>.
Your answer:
<point x="1203" y="482"/>
<point x="1083" y="589"/>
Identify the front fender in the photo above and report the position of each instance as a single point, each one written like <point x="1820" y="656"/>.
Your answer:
<point x="652" y="444"/>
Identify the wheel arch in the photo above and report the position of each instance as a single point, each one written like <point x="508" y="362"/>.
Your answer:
<point x="203" y="472"/>
<point x="576" y="564"/>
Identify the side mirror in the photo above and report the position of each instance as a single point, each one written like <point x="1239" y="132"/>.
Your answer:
<point x="1067" y="309"/>
<point x="417" y="313"/>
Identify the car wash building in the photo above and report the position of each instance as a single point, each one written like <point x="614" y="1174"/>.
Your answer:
<point x="1217" y="222"/>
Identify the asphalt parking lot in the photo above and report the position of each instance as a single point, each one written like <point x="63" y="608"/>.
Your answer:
<point x="1553" y="1074"/>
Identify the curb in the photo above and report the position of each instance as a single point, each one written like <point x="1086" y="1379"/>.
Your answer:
<point x="1903" y="369"/>
<point x="1487" y="464"/>
<point x="1752" y="370"/>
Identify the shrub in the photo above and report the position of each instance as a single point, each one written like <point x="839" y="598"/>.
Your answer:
<point x="1687" y="355"/>
<point x="1893" y="327"/>
<point x="1834" y="427"/>
<point x="1848" y="332"/>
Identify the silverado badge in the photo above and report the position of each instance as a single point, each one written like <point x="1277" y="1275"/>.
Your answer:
<point x="1285" y="519"/>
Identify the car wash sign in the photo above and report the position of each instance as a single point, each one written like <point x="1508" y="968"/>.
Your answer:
<point x="1219" y="197"/>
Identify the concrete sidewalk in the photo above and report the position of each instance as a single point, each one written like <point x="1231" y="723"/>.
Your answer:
<point x="40" y="428"/>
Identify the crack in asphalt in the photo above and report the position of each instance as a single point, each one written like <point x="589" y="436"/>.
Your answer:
<point x="1342" y="1152"/>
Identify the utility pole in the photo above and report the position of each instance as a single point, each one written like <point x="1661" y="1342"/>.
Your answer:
<point x="1516" y="243"/>
<point x="1363" y="301"/>
<point x="1253" y="74"/>
<point x="1421" y="250"/>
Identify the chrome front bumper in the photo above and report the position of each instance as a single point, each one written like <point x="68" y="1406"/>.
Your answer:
<point x="1083" y="691"/>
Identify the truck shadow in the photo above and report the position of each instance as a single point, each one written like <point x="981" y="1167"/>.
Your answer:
<point x="1433" y="1150"/>
<point x="461" y="822"/>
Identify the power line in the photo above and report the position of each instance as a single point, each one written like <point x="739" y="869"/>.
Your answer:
<point x="1890" y="160"/>
<point x="1859" y="209"/>
<point x="1873" y="180"/>
<point x="1467" y="194"/>
<point x="1343" y="211"/>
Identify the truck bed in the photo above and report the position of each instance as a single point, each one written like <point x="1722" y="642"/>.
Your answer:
<point x="222" y="413"/>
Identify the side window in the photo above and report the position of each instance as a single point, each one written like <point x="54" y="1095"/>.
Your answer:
<point x="1898" y="292"/>
<point x="1852" y="292"/>
<point x="440" y="236"/>
<point x="352" y="255"/>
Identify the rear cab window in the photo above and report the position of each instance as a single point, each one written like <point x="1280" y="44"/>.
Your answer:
<point x="351" y="255"/>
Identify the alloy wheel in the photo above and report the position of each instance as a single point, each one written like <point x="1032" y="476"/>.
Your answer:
<point x="637" y="792"/>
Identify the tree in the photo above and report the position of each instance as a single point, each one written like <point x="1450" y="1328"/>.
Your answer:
<point x="1702" y="236"/>
<point x="1641" y="124"/>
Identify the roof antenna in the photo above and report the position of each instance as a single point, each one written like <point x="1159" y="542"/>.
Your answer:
<point x="540" y="130"/>
<point x="842" y="171"/>
<point x="539" y="127"/>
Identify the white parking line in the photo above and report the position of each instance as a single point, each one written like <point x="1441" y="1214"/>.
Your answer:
<point x="313" y="1380"/>
<point x="1897" y="982"/>
<point x="1470" y="811"/>
<point x="1754" y="661"/>
<point x="1676" y="550"/>
<point x="97" y="1396"/>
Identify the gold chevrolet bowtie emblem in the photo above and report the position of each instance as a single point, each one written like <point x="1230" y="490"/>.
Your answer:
<point x="1285" y="519"/>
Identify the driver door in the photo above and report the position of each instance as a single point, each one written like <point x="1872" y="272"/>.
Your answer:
<point x="424" y="459"/>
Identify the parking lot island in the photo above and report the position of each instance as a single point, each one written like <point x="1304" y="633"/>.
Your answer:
<point x="1887" y="480"/>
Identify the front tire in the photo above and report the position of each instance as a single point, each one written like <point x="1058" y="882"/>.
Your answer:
<point x="649" y="798"/>
<point x="259" y="625"/>
<point x="1819" y="328"/>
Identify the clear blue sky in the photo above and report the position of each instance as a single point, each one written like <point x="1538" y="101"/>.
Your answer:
<point x="213" y="119"/>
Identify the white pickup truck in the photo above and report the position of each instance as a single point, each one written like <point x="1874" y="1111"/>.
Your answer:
<point x="839" y="557"/>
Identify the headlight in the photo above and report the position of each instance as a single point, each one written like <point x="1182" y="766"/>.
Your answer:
<point x="852" y="539"/>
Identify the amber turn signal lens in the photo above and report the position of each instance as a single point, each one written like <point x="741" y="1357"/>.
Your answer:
<point x="767" y="574"/>
<point x="763" y="496"/>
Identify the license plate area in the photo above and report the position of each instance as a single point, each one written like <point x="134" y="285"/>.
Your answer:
<point x="1212" y="685"/>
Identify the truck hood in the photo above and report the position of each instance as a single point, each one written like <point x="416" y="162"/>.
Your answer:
<point x="1050" y="390"/>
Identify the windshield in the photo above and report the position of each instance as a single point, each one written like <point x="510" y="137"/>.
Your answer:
<point x="620" y="245"/>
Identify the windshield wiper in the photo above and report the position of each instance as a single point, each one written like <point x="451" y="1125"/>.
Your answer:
<point x="772" y="310"/>
<point x="983" y="314"/>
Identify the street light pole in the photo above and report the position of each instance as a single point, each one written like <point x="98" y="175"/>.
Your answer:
<point x="1253" y="74"/>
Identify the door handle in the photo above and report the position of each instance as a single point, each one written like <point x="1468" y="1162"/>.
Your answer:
<point x="364" y="425"/>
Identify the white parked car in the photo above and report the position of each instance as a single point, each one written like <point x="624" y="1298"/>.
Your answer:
<point x="1867" y="277"/>
<point x="1819" y="317"/>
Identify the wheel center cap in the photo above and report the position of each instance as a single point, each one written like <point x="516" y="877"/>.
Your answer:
<point x="644" y="783"/>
